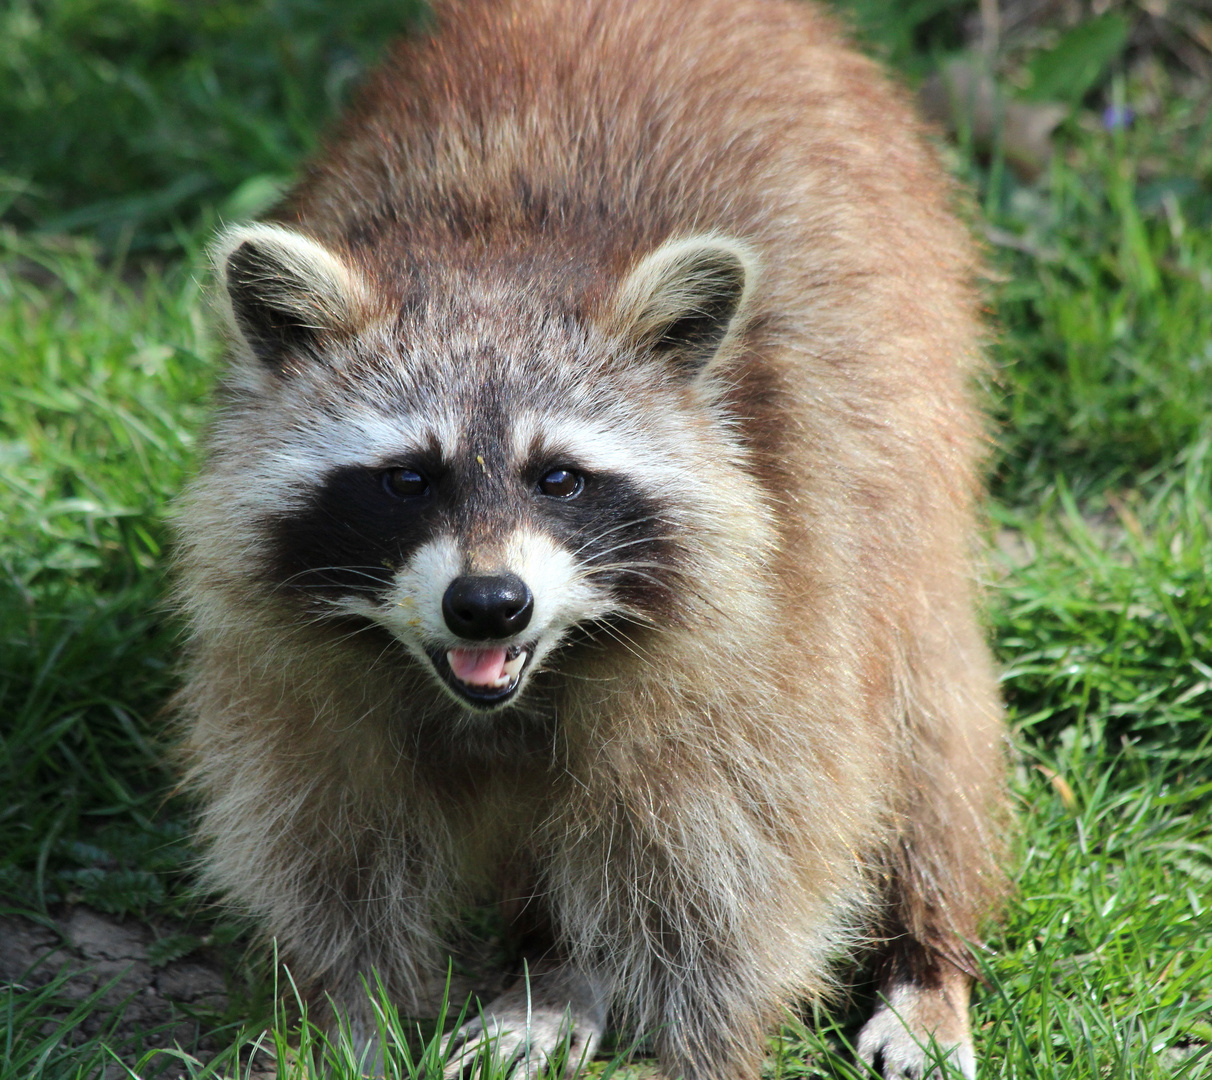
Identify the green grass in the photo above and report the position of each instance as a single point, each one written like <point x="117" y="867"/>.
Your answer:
<point x="130" y="118"/>
<point x="104" y="382"/>
<point x="1106" y="353"/>
<point x="1099" y="577"/>
<point x="1104" y="964"/>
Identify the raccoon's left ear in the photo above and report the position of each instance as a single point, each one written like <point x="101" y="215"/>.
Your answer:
<point x="686" y="301"/>
<point x="282" y="289"/>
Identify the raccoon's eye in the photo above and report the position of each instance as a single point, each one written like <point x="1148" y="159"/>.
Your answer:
<point x="562" y="484"/>
<point x="405" y="483"/>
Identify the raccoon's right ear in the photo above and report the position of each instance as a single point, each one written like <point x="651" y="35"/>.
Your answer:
<point x="686" y="300"/>
<point x="282" y="289"/>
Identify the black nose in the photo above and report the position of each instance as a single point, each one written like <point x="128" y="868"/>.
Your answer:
<point x="480" y="608"/>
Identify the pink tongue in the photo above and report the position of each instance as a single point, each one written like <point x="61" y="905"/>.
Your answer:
<point x="478" y="667"/>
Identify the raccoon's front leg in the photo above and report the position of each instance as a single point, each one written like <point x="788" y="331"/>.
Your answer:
<point x="912" y="1012"/>
<point x="350" y="1018"/>
<point x="552" y="1010"/>
<point x="365" y="1047"/>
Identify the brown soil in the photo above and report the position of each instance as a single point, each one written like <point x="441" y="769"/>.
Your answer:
<point x="141" y="1006"/>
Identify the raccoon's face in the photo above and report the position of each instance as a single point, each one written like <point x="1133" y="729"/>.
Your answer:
<point x="483" y="480"/>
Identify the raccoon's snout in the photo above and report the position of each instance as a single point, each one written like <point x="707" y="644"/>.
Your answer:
<point x="487" y="608"/>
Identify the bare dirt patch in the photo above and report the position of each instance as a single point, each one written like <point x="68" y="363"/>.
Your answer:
<point x="137" y="1004"/>
<point x="107" y="967"/>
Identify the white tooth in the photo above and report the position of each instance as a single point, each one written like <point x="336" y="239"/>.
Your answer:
<point x="512" y="667"/>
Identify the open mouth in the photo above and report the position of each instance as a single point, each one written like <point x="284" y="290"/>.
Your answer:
<point x="483" y="675"/>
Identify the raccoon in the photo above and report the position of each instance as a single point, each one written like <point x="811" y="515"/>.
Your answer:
<point x="587" y="526"/>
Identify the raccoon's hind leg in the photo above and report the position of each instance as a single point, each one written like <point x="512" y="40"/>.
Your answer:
<point x="554" y="1011"/>
<point x="942" y="881"/>
<point x="922" y="1017"/>
<point x="940" y="886"/>
<point x="941" y="872"/>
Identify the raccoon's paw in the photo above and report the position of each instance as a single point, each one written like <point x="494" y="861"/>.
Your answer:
<point x="897" y="1041"/>
<point x="518" y="1047"/>
<point x="359" y="1046"/>
<point x="558" y="1019"/>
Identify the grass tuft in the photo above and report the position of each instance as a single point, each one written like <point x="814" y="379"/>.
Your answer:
<point x="126" y="118"/>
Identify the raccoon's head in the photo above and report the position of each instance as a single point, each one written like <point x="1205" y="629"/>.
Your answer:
<point x="481" y="469"/>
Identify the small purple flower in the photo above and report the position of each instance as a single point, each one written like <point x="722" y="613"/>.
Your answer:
<point x="1118" y="116"/>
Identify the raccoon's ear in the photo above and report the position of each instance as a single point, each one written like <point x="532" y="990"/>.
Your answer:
<point x="282" y="289"/>
<point x="686" y="300"/>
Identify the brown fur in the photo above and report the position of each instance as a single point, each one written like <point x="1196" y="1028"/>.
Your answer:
<point x="800" y="763"/>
